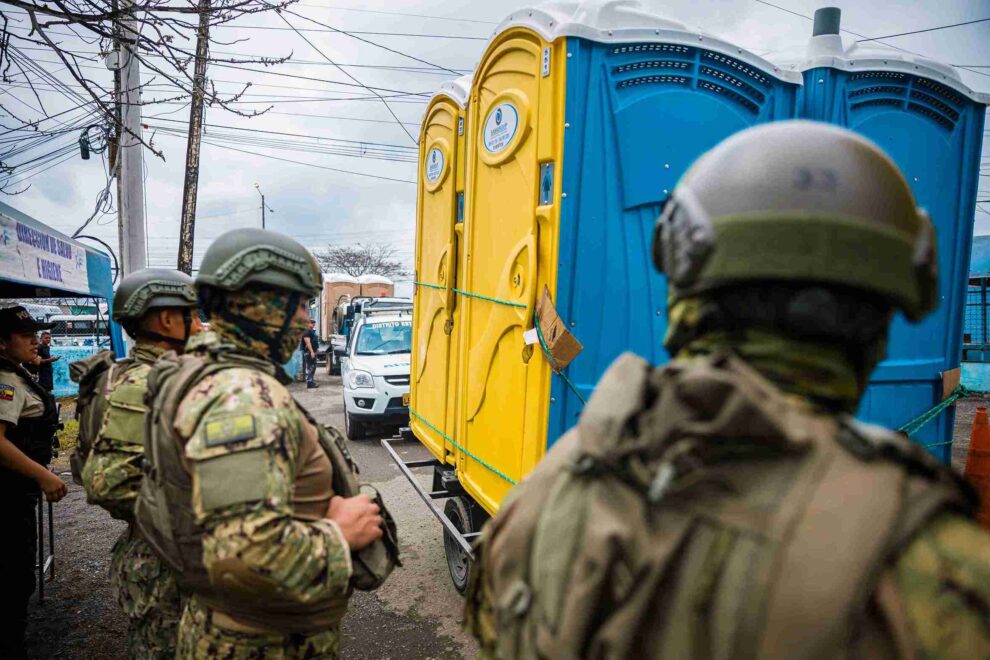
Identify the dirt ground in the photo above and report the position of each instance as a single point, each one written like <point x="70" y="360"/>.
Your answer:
<point x="415" y="615"/>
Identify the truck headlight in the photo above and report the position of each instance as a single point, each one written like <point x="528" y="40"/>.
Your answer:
<point x="360" y="379"/>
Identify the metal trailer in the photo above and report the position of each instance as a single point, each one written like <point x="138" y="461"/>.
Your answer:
<point x="39" y="262"/>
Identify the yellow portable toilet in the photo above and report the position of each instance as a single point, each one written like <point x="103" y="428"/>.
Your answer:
<point x="439" y="216"/>
<point x="581" y="118"/>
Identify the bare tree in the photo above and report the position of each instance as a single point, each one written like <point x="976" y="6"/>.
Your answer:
<point x="80" y="34"/>
<point x="361" y="259"/>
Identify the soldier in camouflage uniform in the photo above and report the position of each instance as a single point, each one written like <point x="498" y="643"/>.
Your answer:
<point x="243" y="497"/>
<point x="728" y="505"/>
<point x="157" y="309"/>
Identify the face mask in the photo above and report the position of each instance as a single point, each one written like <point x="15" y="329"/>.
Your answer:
<point x="253" y="319"/>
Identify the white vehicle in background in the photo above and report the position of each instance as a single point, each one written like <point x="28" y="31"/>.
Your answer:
<point x="375" y="372"/>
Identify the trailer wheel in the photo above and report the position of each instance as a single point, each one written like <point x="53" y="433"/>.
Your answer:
<point x="458" y="561"/>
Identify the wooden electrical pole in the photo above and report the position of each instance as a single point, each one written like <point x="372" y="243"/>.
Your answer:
<point x="187" y="229"/>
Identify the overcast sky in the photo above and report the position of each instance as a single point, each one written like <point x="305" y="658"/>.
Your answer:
<point x="318" y="206"/>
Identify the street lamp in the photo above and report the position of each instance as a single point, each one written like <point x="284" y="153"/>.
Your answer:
<point x="263" y="205"/>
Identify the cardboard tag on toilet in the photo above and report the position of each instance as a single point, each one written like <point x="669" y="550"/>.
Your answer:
<point x="561" y="344"/>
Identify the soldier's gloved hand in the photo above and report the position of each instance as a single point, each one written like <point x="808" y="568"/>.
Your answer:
<point x="52" y="486"/>
<point x="359" y="519"/>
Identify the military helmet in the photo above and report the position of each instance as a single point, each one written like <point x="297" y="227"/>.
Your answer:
<point x="151" y="288"/>
<point x="798" y="201"/>
<point x="244" y="257"/>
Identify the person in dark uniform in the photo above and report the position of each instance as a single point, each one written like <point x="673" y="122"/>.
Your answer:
<point x="308" y="345"/>
<point x="28" y="420"/>
<point x="43" y="363"/>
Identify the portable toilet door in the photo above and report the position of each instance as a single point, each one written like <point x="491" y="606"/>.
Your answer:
<point x="583" y="117"/>
<point x="439" y="210"/>
<point x="931" y="124"/>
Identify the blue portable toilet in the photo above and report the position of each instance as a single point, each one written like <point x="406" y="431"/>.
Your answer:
<point x="931" y="124"/>
<point x="645" y="96"/>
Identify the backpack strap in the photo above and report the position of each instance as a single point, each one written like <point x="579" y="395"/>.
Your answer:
<point x="93" y="374"/>
<point x="847" y="515"/>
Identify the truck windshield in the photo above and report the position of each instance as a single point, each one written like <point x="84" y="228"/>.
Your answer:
<point x="384" y="338"/>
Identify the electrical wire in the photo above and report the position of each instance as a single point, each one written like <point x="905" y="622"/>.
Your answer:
<point x="328" y="59"/>
<point x="364" y="143"/>
<point x="396" y="13"/>
<point x="368" y="41"/>
<point x="298" y="162"/>
<point x="863" y="36"/>
<point x="113" y="255"/>
<point x="353" y="32"/>
<point x="931" y="29"/>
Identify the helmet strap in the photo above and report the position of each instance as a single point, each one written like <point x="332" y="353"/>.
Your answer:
<point x="154" y="336"/>
<point x="275" y="345"/>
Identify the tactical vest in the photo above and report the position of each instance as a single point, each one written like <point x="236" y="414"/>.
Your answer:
<point x="699" y="512"/>
<point x="122" y="424"/>
<point x="166" y="519"/>
<point x="34" y="436"/>
<point x="93" y="376"/>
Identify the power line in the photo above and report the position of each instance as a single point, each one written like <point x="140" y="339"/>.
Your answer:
<point x="369" y="42"/>
<point x="433" y="71"/>
<point x="328" y="59"/>
<point x="931" y="29"/>
<point x="396" y="13"/>
<point x="353" y="32"/>
<point x="397" y="147"/>
<point x="863" y="36"/>
<point x="373" y="121"/>
<point x="298" y="162"/>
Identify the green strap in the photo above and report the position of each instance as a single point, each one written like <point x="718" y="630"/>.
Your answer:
<point x="921" y="420"/>
<point x="553" y="361"/>
<point x="463" y="450"/>
<point x="474" y="295"/>
<point x="536" y="323"/>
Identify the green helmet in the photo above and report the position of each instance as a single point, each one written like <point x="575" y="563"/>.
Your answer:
<point x="798" y="201"/>
<point x="243" y="257"/>
<point x="151" y="288"/>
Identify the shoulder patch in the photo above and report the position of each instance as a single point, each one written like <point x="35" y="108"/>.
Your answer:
<point x="226" y="430"/>
<point x="6" y="392"/>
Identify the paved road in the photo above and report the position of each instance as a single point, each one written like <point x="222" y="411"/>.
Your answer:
<point x="417" y="613"/>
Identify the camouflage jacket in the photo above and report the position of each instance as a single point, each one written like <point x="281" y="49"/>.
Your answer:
<point x="699" y="512"/>
<point x="248" y="448"/>
<point x="112" y="472"/>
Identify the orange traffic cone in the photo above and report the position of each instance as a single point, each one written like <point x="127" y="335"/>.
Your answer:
<point x="978" y="464"/>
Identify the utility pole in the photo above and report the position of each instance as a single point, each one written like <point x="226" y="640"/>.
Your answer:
<point x="130" y="161"/>
<point x="187" y="229"/>
<point x="263" y="205"/>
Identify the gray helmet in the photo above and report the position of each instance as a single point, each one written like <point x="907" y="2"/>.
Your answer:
<point x="151" y="288"/>
<point x="798" y="201"/>
<point x="243" y="257"/>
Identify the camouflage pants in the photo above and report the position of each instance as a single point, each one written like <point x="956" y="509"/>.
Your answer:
<point x="199" y="637"/>
<point x="147" y="592"/>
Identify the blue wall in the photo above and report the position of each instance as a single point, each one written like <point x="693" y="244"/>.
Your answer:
<point x="60" y="369"/>
<point x="638" y="116"/>
<point x="934" y="134"/>
<point x="65" y="387"/>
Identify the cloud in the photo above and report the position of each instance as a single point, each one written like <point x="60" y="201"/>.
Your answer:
<point x="320" y="206"/>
